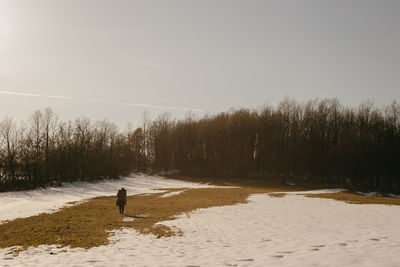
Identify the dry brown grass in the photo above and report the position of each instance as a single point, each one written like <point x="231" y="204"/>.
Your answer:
<point x="88" y="224"/>
<point x="353" y="198"/>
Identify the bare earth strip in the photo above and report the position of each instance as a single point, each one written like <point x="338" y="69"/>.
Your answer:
<point x="277" y="194"/>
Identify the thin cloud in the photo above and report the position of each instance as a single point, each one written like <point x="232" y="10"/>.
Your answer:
<point x="100" y="101"/>
<point x="156" y="107"/>
<point x="33" y="95"/>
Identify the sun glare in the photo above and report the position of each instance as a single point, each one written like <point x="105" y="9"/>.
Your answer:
<point x="6" y="29"/>
<point x="5" y="23"/>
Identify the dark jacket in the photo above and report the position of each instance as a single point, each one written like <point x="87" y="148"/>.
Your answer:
<point x="121" y="197"/>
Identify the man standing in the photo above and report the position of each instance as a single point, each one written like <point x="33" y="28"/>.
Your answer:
<point x="121" y="200"/>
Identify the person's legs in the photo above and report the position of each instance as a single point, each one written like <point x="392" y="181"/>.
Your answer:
<point x="122" y="207"/>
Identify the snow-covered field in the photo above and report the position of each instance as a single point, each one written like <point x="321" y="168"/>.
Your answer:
<point x="28" y="203"/>
<point x="269" y="231"/>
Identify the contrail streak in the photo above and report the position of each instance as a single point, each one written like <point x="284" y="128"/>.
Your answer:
<point x="106" y="102"/>
<point x="34" y="95"/>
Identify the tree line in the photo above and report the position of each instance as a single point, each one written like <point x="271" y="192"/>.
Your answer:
<point x="46" y="151"/>
<point x="320" y="141"/>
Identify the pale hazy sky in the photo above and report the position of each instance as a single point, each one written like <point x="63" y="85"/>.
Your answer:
<point x="114" y="59"/>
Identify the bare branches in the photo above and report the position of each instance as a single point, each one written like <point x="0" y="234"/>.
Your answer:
<point x="51" y="152"/>
<point x="320" y="141"/>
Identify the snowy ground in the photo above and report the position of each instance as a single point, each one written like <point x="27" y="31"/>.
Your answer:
<point x="28" y="203"/>
<point x="269" y="231"/>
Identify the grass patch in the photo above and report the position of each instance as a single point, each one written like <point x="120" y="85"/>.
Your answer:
<point x="353" y="198"/>
<point x="88" y="224"/>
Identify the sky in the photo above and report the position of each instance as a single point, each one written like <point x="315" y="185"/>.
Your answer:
<point x="115" y="59"/>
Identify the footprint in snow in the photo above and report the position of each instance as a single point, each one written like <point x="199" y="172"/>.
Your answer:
<point x="343" y="244"/>
<point x="318" y="246"/>
<point x="277" y="256"/>
<point x="246" y="260"/>
<point x="351" y="241"/>
<point x="285" y="252"/>
<point x="374" y="239"/>
<point x="314" y="249"/>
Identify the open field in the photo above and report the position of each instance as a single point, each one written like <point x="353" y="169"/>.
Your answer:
<point x="202" y="225"/>
<point x="88" y="224"/>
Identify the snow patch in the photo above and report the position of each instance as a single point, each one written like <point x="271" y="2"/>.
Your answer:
<point x="319" y="191"/>
<point x="170" y="194"/>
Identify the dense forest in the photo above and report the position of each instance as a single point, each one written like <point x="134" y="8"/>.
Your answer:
<point x="320" y="141"/>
